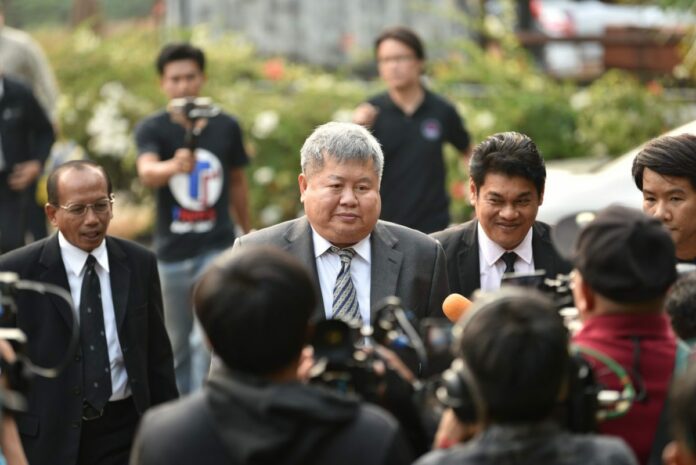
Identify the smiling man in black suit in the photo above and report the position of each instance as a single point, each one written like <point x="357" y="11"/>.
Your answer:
<point x="507" y="188"/>
<point x="87" y="415"/>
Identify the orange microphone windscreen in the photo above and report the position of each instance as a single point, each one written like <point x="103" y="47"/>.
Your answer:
<point x="454" y="306"/>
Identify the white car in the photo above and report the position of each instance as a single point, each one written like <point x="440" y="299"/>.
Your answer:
<point x="579" y="185"/>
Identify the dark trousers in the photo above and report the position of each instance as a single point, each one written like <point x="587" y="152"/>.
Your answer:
<point x="108" y="439"/>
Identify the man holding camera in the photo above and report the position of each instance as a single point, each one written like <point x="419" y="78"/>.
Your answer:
<point x="507" y="187"/>
<point x="196" y="161"/>
<point x="624" y="265"/>
<point x="255" y="306"/>
<point x="512" y="371"/>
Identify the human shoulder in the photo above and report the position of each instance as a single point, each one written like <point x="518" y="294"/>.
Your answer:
<point x="600" y="450"/>
<point x="19" y="260"/>
<point x="175" y="432"/>
<point x="155" y="121"/>
<point x="390" y="232"/>
<point x="273" y="234"/>
<point x="438" y="100"/>
<point x="129" y="247"/>
<point x="452" y="236"/>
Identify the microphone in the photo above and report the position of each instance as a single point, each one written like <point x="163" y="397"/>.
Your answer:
<point x="454" y="306"/>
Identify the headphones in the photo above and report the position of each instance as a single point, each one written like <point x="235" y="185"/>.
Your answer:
<point x="459" y="389"/>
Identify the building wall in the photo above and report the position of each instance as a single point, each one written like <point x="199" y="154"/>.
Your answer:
<point x="326" y="32"/>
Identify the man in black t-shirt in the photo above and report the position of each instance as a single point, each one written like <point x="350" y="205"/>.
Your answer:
<point x="199" y="192"/>
<point x="412" y="124"/>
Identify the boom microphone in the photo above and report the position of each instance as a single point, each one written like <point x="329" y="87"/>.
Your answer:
<point x="454" y="306"/>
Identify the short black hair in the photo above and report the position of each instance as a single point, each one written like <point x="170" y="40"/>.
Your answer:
<point x="516" y="346"/>
<point x="510" y="154"/>
<point x="179" y="51"/>
<point x="404" y="35"/>
<point x="79" y="165"/>
<point x="668" y="156"/>
<point x="682" y="406"/>
<point x="681" y="306"/>
<point x="254" y="304"/>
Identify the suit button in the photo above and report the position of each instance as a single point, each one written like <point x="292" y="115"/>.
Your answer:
<point x="75" y="424"/>
<point x="77" y="358"/>
<point x="133" y="381"/>
<point x="76" y="391"/>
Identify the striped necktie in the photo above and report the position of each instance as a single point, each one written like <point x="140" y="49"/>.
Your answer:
<point x="345" y="298"/>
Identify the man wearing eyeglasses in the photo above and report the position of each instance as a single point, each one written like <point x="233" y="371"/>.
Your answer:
<point x="87" y="415"/>
<point x="412" y="124"/>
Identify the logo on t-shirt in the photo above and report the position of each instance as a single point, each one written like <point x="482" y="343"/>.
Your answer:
<point x="197" y="193"/>
<point x="431" y="129"/>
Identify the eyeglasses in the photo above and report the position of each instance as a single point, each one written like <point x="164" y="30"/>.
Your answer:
<point x="79" y="209"/>
<point x="398" y="59"/>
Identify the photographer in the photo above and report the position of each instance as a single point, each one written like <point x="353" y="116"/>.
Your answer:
<point x="625" y="263"/>
<point x="196" y="162"/>
<point x="512" y="370"/>
<point x="254" y="305"/>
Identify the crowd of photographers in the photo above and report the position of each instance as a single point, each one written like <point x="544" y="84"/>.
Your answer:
<point x="333" y="336"/>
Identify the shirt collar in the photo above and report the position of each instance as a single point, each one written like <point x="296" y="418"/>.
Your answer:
<point x="321" y="245"/>
<point x="75" y="258"/>
<point x="491" y="251"/>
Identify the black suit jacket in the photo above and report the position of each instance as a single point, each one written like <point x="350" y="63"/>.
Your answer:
<point x="50" y="430"/>
<point x="405" y="263"/>
<point x="461" y="249"/>
<point x="25" y="130"/>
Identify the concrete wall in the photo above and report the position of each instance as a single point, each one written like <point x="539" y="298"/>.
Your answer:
<point x="326" y="32"/>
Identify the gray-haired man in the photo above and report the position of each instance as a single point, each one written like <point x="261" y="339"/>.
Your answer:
<point x="355" y="258"/>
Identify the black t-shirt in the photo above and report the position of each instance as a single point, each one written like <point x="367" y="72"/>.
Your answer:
<point x="192" y="209"/>
<point x="413" y="184"/>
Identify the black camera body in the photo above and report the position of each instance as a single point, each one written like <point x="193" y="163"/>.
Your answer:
<point x="194" y="108"/>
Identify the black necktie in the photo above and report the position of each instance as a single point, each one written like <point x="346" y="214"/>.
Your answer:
<point x="95" y="355"/>
<point x="509" y="259"/>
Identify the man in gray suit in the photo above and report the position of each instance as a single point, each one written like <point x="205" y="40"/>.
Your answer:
<point x="355" y="258"/>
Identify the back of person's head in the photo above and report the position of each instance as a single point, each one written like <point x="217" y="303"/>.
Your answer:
<point x="516" y="347"/>
<point x="343" y="143"/>
<point x="254" y="305"/>
<point x="510" y="154"/>
<point x="682" y="406"/>
<point x="626" y="256"/>
<point x="79" y="165"/>
<point x="179" y="51"/>
<point x="681" y="306"/>
<point x="404" y="35"/>
<point x="668" y="156"/>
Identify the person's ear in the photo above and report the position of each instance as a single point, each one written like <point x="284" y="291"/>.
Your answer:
<point x="473" y="193"/>
<point x="302" y="181"/>
<point x="51" y="211"/>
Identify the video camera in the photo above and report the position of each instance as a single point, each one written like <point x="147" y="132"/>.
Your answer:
<point x="192" y="112"/>
<point x="20" y="372"/>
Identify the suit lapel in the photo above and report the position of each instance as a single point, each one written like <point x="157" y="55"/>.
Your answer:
<point x="468" y="260"/>
<point x="386" y="264"/>
<point x="542" y="250"/>
<point x="54" y="273"/>
<point x="119" y="274"/>
<point x="299" y="243"/>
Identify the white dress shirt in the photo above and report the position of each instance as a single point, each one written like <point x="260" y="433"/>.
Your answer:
<point x="328" y="266"/>
<point x="491" y="267"/>
<point x="75" y="259"/>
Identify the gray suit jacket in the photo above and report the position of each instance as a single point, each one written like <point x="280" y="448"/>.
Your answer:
<point x="405" y="263"/>
<point x="461" y="249"/>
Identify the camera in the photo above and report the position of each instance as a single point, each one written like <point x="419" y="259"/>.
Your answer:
<point x="193" y="108"/>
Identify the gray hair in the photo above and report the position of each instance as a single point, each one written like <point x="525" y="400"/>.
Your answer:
<point x="343" y="142"/>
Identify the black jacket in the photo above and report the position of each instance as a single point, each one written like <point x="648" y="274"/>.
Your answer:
<point x="237" y="419"/>
<point x="461" y="249"/>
